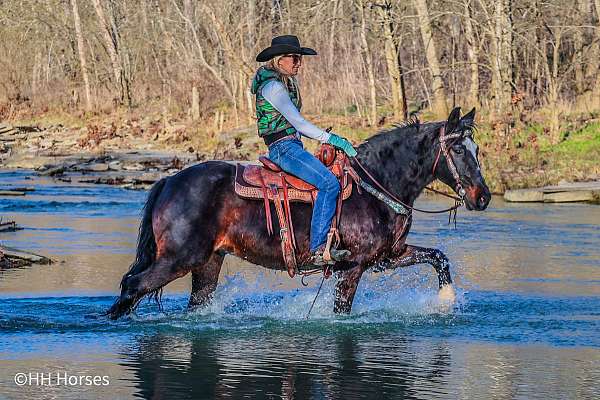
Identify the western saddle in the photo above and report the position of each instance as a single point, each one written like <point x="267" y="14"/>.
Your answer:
<point x="270" y="183"/>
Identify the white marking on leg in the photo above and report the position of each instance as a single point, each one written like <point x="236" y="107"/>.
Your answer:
<point x="447" y="298"/>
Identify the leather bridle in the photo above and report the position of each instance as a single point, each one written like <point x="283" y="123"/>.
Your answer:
<point x="449" y="160"/>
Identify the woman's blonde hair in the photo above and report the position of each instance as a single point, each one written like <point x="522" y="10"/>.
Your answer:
<point x="287" y="80"/>
<point x="273" y="64"/>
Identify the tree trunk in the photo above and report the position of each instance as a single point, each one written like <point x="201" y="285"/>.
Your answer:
<point x="35" y="73"/>
<point x="195" y="104"/>
<point x="276" y="17"/>
<point x="124" y="59"/>
<point x="508" y="70"/>
<point x="503" y="68"/>
<point x="332" y="38"/>
<point x="553" y="84"/>
<point x="473" y="57"/>
<point x="82" y="61"/>
<point x="392" y="58"/>
<point x="110" y="46"/>
<point x="577" y="57"/>
<point x="438" y="93"/>
<point x="402" y="86"/>
<point x="188" y="11"/>
<point x="594" y="61"/>
<point x="541" y="61"/>
<point x="251" y="22"/>
<point x="369" y="63"/>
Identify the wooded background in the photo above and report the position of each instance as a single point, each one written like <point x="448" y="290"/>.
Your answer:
<point x="377" y="60"/>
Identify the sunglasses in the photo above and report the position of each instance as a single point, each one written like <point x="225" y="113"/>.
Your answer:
<point x="296" y="58"/>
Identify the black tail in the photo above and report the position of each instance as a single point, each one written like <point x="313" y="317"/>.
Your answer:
<point x="146" y="246"/>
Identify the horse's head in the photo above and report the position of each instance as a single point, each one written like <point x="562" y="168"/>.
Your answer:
<point x="457" y="165"/>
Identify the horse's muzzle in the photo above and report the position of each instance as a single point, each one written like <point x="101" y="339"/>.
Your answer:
<point x="477" y="197"/>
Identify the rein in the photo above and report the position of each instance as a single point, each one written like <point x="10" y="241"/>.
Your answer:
<point x="458" y="200"/>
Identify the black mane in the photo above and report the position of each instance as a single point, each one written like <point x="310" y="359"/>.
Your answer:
<point x="401" y="158"/>
<point x="414" y="121"/>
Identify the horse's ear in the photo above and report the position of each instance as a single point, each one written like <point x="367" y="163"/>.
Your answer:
<point x="468" y="118"/>
<point x="453" y="120"/>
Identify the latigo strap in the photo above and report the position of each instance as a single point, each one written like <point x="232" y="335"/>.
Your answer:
<point x="287" y="247"/>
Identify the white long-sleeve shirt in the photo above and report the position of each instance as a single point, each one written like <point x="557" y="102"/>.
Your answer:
<point x="276" y="94"/>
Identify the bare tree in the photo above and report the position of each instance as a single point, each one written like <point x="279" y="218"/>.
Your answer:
<point x="472" y="54"/>
<point x="594" y="66"/>
<point x="438" y="93"/>
<point x="82" y="60"/>
<point x="110" y="44"/>
<point x="512" y="58"/>
<point x="368" y="62"/>
<point x="392" y="58"/>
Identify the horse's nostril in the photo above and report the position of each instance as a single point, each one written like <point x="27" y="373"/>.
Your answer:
<point x="482" y="201"/>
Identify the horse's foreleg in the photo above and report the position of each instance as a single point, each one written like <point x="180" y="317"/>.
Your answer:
<point x="422" y="255"/>
<point x="204" y="281"/>
<point x="346" y="289"/>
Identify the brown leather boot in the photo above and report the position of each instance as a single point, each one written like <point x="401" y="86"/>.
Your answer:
<point x="317" y="258"/>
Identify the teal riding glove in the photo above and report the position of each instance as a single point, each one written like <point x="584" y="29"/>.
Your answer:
<point x="342" y="143"/>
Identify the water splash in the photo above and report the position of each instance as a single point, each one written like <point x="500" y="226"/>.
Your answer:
<point x="242" y="303"/>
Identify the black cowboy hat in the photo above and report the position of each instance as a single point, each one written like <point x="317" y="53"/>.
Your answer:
<point x="286" y="44"/>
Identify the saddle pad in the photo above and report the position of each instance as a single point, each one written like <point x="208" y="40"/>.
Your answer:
<point x="248" y="185"/>
<point x="255" y="174"/>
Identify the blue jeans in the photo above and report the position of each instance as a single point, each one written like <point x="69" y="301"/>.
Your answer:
<point x="290" y="155"/>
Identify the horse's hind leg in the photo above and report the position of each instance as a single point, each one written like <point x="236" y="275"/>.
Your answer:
<point x="418" y="255"/>
<point x="204" y="281"/>
<point x="134" y="287"/>
<point x="346" y="289"/>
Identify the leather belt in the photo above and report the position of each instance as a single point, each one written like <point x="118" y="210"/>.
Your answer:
<point x="277" y="136"/>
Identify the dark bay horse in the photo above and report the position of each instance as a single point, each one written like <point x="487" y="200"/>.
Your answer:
<point x="193" y="219"/>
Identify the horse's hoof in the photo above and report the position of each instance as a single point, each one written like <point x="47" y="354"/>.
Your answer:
<point x="115" y="312"/>
<point x="447" y="294"/>
<point x="113" y="315"/>
<point x="291" y="271"/>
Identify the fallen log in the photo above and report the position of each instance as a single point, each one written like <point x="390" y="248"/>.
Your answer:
<point x="11" y="193"/>
<point x="13" y="137"/>
<point x="33" y="258"/>
<point x="53" y="171"/>
<point x="568" y="192"/>
<point x="21" y="189"/>
<point x="25" y="128"/>
<point x="5" y="128"/>
<point x="6" y="263"/>
<point x="9" y="226"/>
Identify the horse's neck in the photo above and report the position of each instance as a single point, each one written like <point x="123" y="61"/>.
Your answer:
<point x="401" y="161"/>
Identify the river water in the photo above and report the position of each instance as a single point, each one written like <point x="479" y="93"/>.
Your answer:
<point x="526" y="323"/>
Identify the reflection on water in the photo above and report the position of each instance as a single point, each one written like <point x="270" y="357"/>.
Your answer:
<point x="526" y="324"/>
<point x="239" y="354"/>
<point x="346" y="364"/>
<point x="337" y="365"/>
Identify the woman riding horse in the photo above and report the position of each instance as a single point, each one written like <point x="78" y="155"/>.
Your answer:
<point x="193" y="219"/>
<point x="280" y="124"/>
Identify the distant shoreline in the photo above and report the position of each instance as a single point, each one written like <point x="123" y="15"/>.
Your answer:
<point x="134" y="155"/>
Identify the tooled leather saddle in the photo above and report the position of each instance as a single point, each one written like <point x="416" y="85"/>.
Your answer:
<point x="270" y="183"/>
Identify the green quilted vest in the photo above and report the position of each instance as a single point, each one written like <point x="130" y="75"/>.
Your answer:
<point x="269" y="120"/>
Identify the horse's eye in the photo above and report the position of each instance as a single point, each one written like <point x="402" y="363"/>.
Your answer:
<point x="457" y="149"/>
